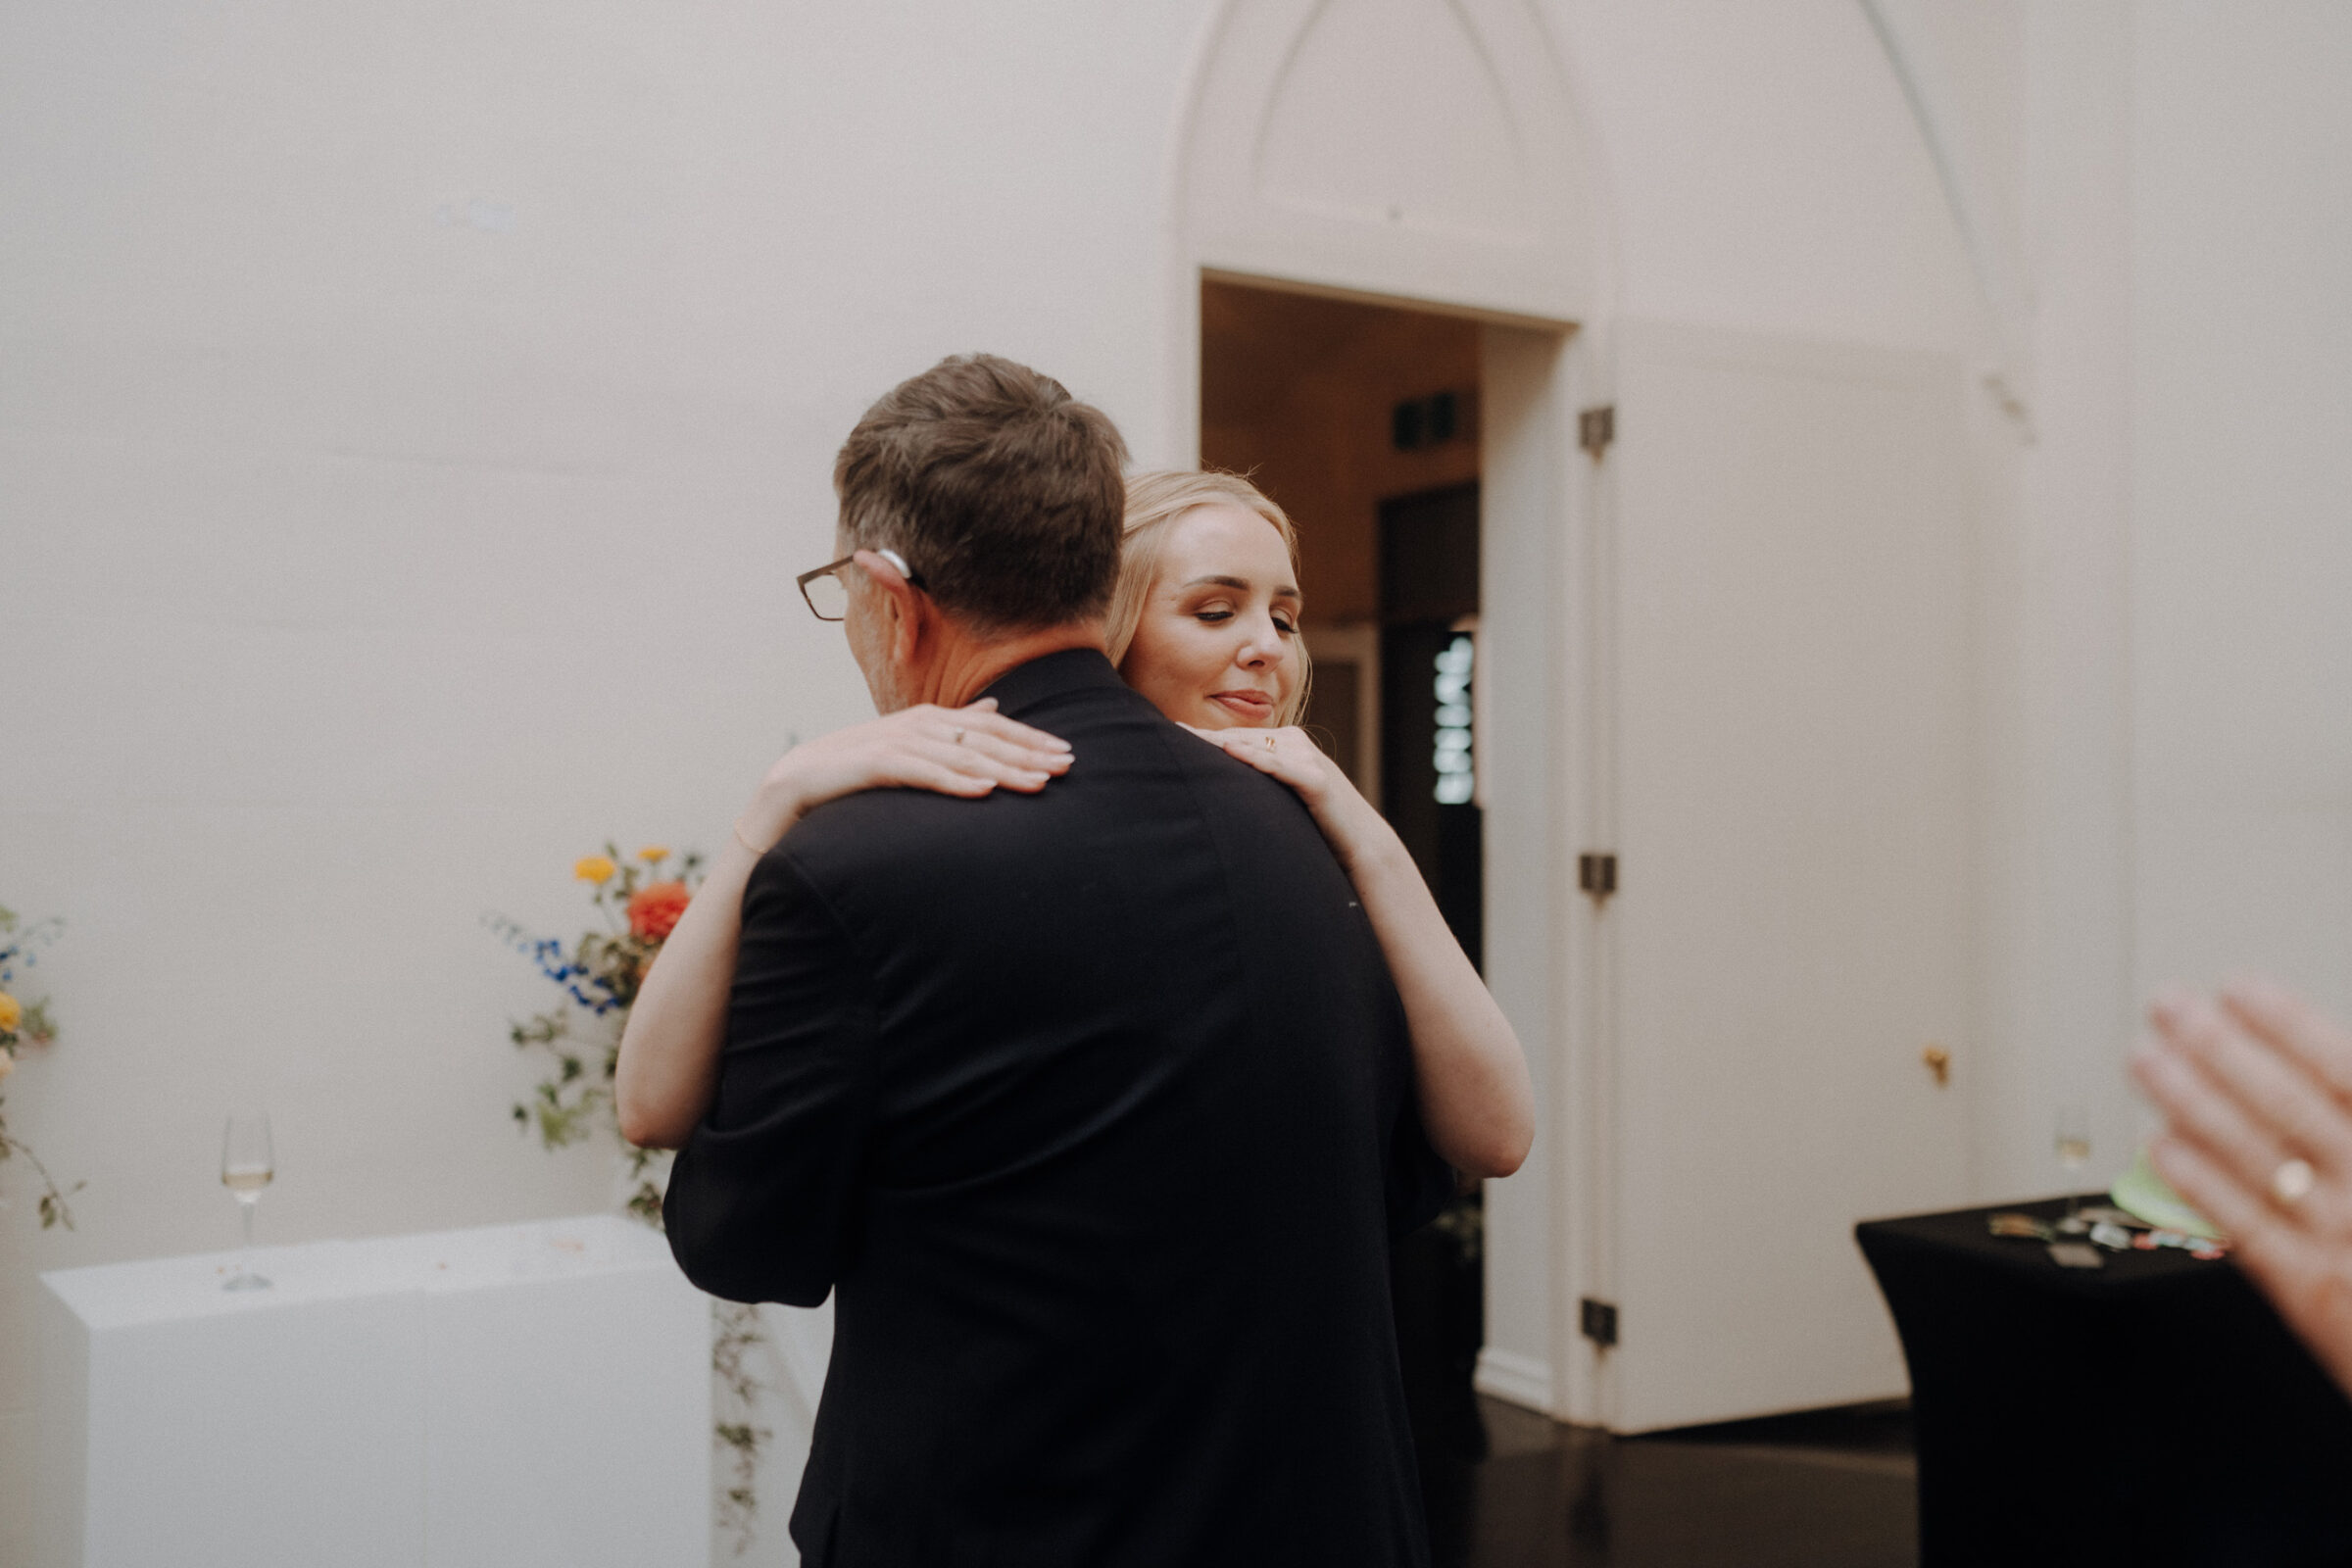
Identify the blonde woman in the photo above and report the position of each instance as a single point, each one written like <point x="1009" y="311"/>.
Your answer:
<point x="1204" y="622"/>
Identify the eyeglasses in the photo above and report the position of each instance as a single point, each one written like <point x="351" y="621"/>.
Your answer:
<point x="828" y="595"/>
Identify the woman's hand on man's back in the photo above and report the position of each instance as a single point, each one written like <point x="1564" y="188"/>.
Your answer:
<point x="1348" y="820"/>
<point x="955" y="751"/>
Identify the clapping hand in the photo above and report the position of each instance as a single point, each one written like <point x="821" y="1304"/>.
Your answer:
<point x="2256" y="1093"/>
<point x="955" y="751"/>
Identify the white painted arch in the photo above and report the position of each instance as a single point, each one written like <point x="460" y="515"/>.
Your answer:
<point x="1423" y="151"/>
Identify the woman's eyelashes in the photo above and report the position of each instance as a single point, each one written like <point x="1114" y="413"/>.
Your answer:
<point x="1283" y="623"/>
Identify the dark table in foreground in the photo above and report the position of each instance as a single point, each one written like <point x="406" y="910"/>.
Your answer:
<point x="2154" y="1411"/>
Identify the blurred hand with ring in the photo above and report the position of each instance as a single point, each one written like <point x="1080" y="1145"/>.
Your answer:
<point x="2256" y="1090"/>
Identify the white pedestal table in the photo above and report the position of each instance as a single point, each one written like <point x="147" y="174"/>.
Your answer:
<point x="517" y="1396"/>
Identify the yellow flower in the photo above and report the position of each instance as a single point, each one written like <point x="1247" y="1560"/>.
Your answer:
<point x="12" y="1013"/>
<point x="593" y="869"/>
<point x="654" y="854"/>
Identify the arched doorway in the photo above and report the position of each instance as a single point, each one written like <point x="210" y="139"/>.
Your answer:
<point x="1425" y="158"/>
<point x="1732" y="650"/>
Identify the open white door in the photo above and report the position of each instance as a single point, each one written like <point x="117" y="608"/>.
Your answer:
<point x="1794" y="568"/>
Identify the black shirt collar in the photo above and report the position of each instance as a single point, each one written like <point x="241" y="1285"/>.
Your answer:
<point x="1067" y="669"/>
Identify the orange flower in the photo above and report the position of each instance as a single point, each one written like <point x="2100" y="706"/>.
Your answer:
<point x="653" y="909"/>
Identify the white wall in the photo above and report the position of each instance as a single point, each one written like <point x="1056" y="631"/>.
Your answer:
<point x="2059" y="999"/>
<point x="1764" y="172"/>
<point x="2028" y="107"/>
<point x="2166" y="760"/>
<point x="2241" y="325"/>
<point x="410" y="422"/>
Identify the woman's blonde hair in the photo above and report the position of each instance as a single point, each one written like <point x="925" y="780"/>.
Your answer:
<point x="1159" y="497"/>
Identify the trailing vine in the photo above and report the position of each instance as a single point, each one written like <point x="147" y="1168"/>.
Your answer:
<point x="599" y="976"/>
<point x="26" y="1024"/>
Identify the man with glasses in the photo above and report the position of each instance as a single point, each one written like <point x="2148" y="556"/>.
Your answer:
<point x="826" y="590"/>
<point x="1091" y="1105"/>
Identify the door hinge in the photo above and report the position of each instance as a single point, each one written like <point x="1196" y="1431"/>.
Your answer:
<point x="1598" y="1321"/>
<point x="1596" y="874"/>
<point x="1596" y="428"/>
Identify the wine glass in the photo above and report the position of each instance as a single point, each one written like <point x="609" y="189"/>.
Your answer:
<point x="247" y="1165"/>
<point x="2074" y="1151"/>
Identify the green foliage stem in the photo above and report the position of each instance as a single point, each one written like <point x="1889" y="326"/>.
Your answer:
<point x="573" y="1102"/>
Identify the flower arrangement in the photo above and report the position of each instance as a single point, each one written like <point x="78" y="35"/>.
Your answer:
<point x="24" y="1024"/>
<point x="641" y="899"/>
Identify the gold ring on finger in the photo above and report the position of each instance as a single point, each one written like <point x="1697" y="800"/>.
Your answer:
<point x="2292" y="1182"/>
<point x="1269" y="743"/>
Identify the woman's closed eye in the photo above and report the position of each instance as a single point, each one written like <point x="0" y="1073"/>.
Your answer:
<point x="1217" y="618"/>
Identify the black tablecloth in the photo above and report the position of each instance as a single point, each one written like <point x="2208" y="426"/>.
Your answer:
<point x="2154" y="1411"/>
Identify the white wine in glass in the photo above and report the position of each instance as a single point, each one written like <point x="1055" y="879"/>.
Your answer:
<point x="2074" y="1149"/>
<point x="247" y="1165"/>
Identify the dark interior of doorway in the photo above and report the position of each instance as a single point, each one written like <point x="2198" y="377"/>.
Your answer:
<point x="1428" y="659"/>
<point x="1362" y="421"/>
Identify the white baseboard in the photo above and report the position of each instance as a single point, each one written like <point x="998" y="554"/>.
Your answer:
<point x="1521" y="1379"/>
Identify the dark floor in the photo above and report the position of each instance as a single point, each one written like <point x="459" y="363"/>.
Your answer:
<point x="1831" y="1489"/>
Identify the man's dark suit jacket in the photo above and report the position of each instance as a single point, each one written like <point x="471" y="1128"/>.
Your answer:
<point x="1094" y="1106"/>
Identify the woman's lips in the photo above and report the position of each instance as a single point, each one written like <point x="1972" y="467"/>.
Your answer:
<point x="1256" y="707"/>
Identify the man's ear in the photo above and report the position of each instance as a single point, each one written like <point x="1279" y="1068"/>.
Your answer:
<point x="904" y="610"/>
